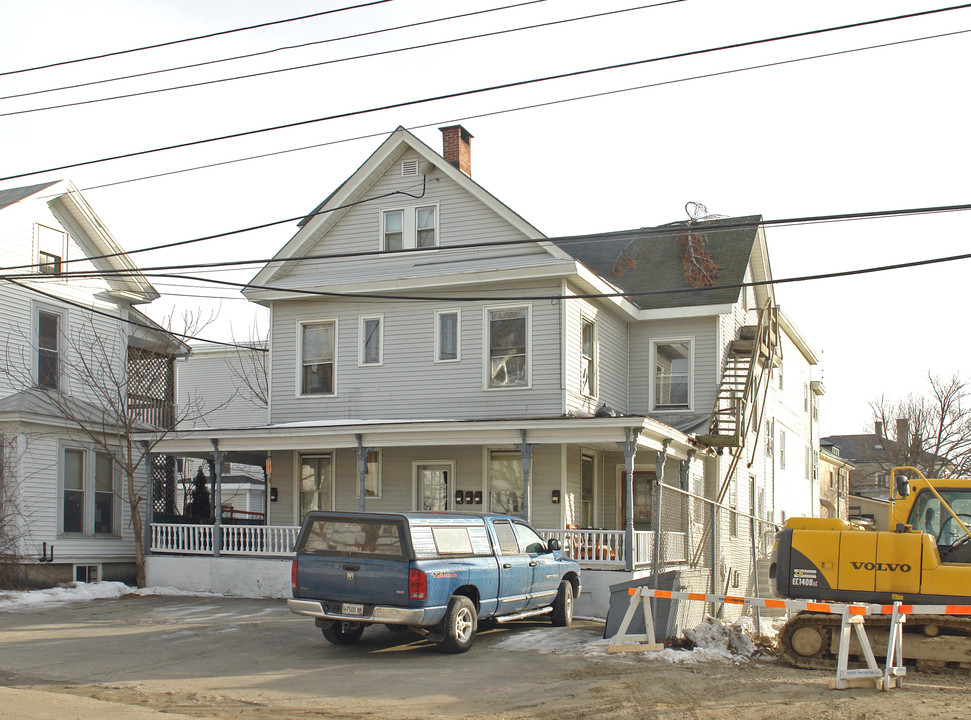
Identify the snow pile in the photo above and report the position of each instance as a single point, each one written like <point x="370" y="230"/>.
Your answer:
<point x="81" y="592"/>
<point x="711" y="641"/>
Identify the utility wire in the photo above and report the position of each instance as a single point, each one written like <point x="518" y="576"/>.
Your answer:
<point x="707" y="227"/>
<point x="532" y="106"/>
<point x="502" y="86"/>
<point x="274" y="50"/>
<point x="580" y="296"/>
<point x="335" y="61"/>
<point x="129" y="321"/>
<point x="197" y="37"/>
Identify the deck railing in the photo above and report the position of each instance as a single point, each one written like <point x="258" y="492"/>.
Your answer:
<point x="592" y="548"/>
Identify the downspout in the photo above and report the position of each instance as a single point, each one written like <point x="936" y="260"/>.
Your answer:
<point x="662" y="456"/>
<point x="217" y="499"/>
<point x="629" y="446"/>
<point x="362" y="453"/>
<point x="526" y="451"/>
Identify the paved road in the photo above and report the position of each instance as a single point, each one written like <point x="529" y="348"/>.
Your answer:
<point x="215" y="657"/>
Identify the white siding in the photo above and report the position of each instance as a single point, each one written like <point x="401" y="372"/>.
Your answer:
<point x="611" y="360"/>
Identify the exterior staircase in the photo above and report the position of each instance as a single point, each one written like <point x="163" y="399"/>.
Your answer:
<point x="746" y="369"/>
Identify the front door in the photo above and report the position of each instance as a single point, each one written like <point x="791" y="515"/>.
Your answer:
<point x="432" y="482"/>
<point x="644" y="482"/>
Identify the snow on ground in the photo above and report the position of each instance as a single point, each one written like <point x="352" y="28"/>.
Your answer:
<point x="82" y="592"/>
<point x="713" y="640"/>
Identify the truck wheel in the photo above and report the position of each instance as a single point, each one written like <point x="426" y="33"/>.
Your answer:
<point x="460" y="625"/>
<point x="563" y="605"/>
<point x="343" y="633"/>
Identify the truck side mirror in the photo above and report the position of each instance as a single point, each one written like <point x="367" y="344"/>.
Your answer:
<point x="553" y="545"/>
<point x="903" y="486"/>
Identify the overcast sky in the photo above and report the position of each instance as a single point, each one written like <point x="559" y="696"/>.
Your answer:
<point x="880" y="129"/>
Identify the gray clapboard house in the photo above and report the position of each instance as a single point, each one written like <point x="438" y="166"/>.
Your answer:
<point x="77" y="353"/>
<point x="431" y="350"/>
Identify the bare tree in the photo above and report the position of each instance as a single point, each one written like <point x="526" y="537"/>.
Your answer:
<point x="248" y="365"/>
<point x="11" y="516"/>
<point x="931" y="432"/>
<point x="105" y="391"/>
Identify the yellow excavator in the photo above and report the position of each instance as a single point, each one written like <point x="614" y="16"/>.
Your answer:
<point x="924" y="559"/>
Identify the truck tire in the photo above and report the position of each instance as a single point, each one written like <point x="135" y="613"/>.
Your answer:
<point x="460" y="625"/>
<point x="563" y="605"/>
<point x="343" y="633"/>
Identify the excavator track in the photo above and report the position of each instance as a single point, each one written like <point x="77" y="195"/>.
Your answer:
<point x="811" y="640"/>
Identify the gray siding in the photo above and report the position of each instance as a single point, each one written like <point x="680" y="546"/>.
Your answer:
<point x="409" y="384"/>
<point x="210" y="392"/>
<point x="610" y="362"/>
<point x="462" y="219"/>
<point x="706" y="369"/>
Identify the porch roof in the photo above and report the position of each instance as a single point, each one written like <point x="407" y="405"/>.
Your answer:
<point x="594" y="432"/>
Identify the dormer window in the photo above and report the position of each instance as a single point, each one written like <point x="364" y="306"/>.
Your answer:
<point x="51" y="247"/>
<point x="409" y="228"/>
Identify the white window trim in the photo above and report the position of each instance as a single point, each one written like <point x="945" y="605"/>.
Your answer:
<point x="416" y="491"/>
<point x="298" y="385"/>
<point x="594" y="381"/>
<point x="487" y="347"/>
<point x="89" y="455"/>
<point x="409" y="226"/>
<point x="62" y="254"/>
<point x="296" y="478"/>
<point x="63" y="354"/>
<point x="458" y="334"/>
<point x="380" y="478"/>
<point x="360" y="340"/>
<point x="690" y="341"/>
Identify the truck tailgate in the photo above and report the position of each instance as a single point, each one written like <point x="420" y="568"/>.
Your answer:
<point x="353" y="580"/>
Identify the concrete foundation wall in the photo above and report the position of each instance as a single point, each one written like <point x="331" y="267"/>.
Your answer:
<point x="238" y="577"/>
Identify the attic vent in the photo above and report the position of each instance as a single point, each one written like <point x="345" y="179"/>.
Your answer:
<point x="409" y="167"/>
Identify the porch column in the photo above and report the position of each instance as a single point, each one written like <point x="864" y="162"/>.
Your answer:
<point x="526" y="450"/>
<point x="217" y="498"/>
<point x="662" y="456"/>
<point x="362" y="453"/>
<point x="149" y="459"/>
<point x="629" y="446"/>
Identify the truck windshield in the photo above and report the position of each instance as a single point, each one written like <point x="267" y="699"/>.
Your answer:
<point x="350" y="537"/>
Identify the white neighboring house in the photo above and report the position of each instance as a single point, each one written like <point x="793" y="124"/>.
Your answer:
<point x="552" y="378"/>
<point x="64" y="504"/>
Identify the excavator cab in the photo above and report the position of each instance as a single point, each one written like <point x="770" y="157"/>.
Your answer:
<point x="940" y="509"/>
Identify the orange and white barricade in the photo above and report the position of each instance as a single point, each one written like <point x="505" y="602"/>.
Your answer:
<point x="852" y="621"/>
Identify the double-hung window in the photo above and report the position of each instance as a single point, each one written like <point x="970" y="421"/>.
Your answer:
<point x="318" y="341"/>
<point x="48" y="349"/>
<point x="89" y="493"/>
<point x="447" y="338"/>
<point x="588" y="354"/>
<point x="371" y="329"/>
<point x="508" y="342"/>
<point x="672" y="375"/>
<point x="408" y="228"/>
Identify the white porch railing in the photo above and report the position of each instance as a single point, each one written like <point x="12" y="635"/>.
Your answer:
<point x="260" y="540"/>
<point x="592" y="548"/>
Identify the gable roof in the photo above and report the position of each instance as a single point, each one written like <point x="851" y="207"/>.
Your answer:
<point x="15" y="195"/>
<point x="323" y="217"/>
<point x="650" y="259"/>
<point x="89" y="232"/>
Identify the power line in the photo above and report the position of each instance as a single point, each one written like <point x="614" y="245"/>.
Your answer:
<point x="335" y="61"/>
<point x="663" y="230"/>
<point x="533" y="106"/>
<point x="492" y="88"/>
<point x="192" y="39"/>
<point x="274" y="50"/>
<point x="135" y="323"/>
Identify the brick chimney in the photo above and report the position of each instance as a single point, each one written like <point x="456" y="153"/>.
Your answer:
<point x="457" y="147"/>
<point x="903" y="432"/>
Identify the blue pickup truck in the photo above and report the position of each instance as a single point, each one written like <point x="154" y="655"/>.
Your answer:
<point x="436" y="573"/>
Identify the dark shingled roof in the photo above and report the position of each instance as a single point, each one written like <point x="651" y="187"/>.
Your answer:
<point x="15" y="195"/>
<point x="650" y="259"/>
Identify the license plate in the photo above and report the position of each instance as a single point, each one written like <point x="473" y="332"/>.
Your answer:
<point x="351" y="609"/>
